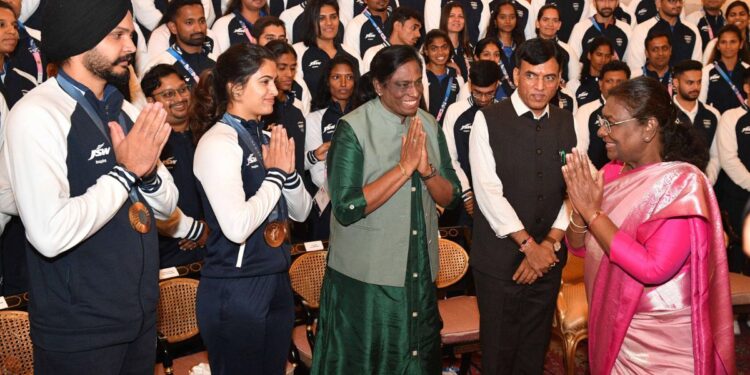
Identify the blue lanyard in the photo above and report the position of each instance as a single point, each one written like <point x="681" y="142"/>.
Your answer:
<point x="182" y="62"/>
<point x="506" y="76"/>
<point x="601" y="31"/>
<point x="377" y="28"/>
<point x="248" y="140"/>
<point x="445" y="99"/>
<point x="36" y="54"/>
<point x="78" y="96"/>
<point x="724" y="75"/>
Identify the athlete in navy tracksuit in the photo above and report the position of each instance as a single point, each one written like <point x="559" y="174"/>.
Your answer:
<point x="181" y="238"/>
<point x="77" y="179"/>
<point x="245" y="307"/>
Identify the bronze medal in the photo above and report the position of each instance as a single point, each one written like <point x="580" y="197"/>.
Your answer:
<point x="275" y="233"/>
<point x="140" y="218"/>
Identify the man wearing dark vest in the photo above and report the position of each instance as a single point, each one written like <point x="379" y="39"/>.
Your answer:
<point x="83" y="165"/>
<point x="705" y="118"/>
<point x="515" y="151"/>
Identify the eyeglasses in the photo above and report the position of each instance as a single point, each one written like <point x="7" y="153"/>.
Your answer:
<point x="483" y="95"/>
<point x="172" y="94"/>
<point x="405" y="86"/>
<point x="603" y="122"/>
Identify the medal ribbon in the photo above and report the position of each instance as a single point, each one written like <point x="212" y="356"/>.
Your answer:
<point x="182" y="62"/>
<point x="731" y="84"/>
<point x="279" y="210"/>
<point x="78" y="96"/>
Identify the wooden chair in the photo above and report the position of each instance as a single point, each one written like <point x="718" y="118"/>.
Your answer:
<point x="16" y="350"/>
<point x="306" y="274"/>
<point x="176" y="322"/>
<point x="570" y="322"/>
<point x="460" y="333"/>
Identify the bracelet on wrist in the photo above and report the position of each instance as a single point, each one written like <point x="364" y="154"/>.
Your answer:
<point x="594" y="217"/>
<point x="525" y="244"/>
<point x="574" y="224"/>
<point x="433" y="173"/>
<point x="584" y="231"/>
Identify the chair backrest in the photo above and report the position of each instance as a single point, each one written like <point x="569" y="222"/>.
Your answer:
<point x="176" y="311"/>
<point x="306" y="274"/>
<point x="16" y="350"/>
<point x="454" y="261"/>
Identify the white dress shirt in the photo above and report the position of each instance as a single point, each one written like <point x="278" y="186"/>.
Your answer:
<point x="488" y="189"/>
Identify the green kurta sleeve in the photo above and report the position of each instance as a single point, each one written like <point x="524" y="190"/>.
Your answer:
<point x="345" y="165"/>
<point x="446" y="169"/>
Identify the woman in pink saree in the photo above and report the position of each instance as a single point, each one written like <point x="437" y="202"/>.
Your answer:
<point x="658" y="287"/>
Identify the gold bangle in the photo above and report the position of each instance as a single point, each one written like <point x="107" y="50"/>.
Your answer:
<point x="403" y="170"/>
<point x="594" y="217"/>
<point x="584" y="226"/>
<point x="581" y="232"/>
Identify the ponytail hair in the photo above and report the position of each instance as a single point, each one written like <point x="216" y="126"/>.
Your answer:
<point x="211" y="94"/>
<point x="646" y="98"/>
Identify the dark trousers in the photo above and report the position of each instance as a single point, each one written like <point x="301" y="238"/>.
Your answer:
<point x="246" y="323"/>
<point x="137" y="358"/>
<point x="515" y="322"/>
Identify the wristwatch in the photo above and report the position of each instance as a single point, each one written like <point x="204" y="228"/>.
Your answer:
<point x="556" y="245"/>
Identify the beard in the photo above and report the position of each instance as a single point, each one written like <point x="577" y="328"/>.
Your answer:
<point x="98" y="64"/>
<point x="195" y="40"/>
<point x="689" y="95"/>
<point x="606" y="12"/>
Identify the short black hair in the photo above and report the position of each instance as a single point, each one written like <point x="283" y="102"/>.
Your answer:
<point x="686" y="66"/>
<point x="483" y="73"/>
<point x="483" y="43"/>
<point x="280" y="47"/>
<point x="401" y="15"/>
<point x="388" y="59"/>
<point x="174" y="7"/>
<point x="152" y="79"/>
<point x="615" y="66"/>
<point x="538" y="51"/>
<point x="653" y="34"/>
<point x="264" y="22"/>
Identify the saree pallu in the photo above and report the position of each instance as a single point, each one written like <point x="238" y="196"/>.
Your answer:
<point x="646" y="194"/>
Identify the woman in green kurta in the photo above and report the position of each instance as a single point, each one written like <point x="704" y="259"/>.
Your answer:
<point x="388" y="167"/>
